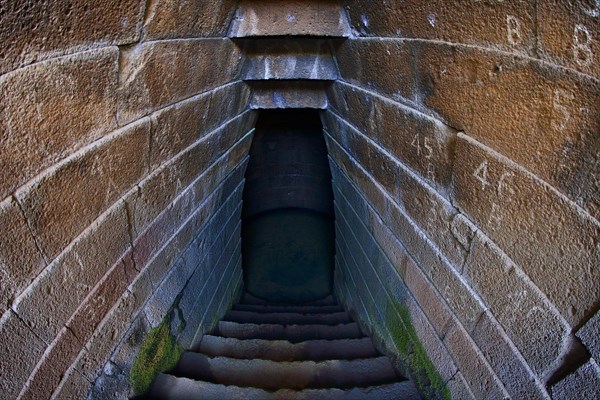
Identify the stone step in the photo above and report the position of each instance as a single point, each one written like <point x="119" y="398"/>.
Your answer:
<point x="288" y="94"/>
<point x="291" y="333"/>
<point x="285" y="59"/>
<point x="248" y="298"/>
<point x="282" y="350"/>
<point x="297" y="375"/>
<point x="287" y="309"/>
<point x="249" y="317"/>
<point x="300" y="18"/>
<point x="168" y="387"/>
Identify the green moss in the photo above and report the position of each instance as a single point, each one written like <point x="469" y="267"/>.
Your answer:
<point x="158" y="353"/>
<point x="405" y="338"/>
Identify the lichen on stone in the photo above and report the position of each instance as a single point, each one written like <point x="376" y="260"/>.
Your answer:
<point x="159" y="352"/>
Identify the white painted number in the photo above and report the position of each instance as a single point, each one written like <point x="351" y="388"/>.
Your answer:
<point x="582" y="50"/>
<point x="481" y="174"/>
<point x="513" y="26"/>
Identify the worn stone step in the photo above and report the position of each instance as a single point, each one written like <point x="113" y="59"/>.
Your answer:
<point x="297" y="375"/>
<point x="291" y="333"/>
<point x="282" y="350"/>
<point x="169" y="387"/>
<point x="248" y="298"/>
<point x="277" y="59"/>
<point x="249" y="317"/>
<point x="287" y="309"/>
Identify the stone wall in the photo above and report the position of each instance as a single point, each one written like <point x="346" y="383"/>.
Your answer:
<point x="122" y="164"/>
<point x="464" y="143"/>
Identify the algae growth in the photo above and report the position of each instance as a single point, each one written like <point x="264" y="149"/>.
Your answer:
<point x="159" y="352"/>
<point x="406" y="340"/>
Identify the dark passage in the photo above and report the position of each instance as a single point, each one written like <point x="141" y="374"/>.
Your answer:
<point x="288" y="227"/>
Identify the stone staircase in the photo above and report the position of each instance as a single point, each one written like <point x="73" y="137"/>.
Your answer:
<point x="265" y="351"/>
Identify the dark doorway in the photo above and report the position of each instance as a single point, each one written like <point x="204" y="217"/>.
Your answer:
<point x="288" y="227"/>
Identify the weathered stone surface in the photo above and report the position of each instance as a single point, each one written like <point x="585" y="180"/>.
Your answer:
<point x="99" y="348"/>
<point x="569" y="33"/>
<point x="290" y="18"/>
<point x="461" y="299"/>
<point x="176" y="127"/>
<point x="94" y="307"/>
<point x="187" y="18"/>
<point x="482" y="381"/>
<point x="422" y="143"/>
<point x="157" y="74"/>
<point x="165" y="183"/>
<point x="458" y="388"/>
<point x="299" y="94"/>
<point x="95" y="178"/>
<point x="384" y="66"/>
<point x="524" y="314"/>
<point x="288" y="59"/>
<point x="32" y="31"/>
<point x="429" y="300"/>
<point x="590" y="335"/>
<point x="520" y="382"/>
<point x="437" y="353"/>
<point x="581" y="384"/>
<point x="541" y="117"/>
<point x="51" y="109"/>
<point x="20" y="259"/>
<point x="56" y="360"/>
<point x="538" y="229"/>
<point x="506" y="25"/>
<point x="73" y="386"/>
<point x="53" y="297"/>
<point x="20" y="351"/>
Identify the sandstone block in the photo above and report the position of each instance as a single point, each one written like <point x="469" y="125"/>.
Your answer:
<point x="481" y="379"/>
<point x="458" y="388"/>
<point x="73" y="386"/>
<point x="520" y="382"/>
<point x="274" y="95"/>
<point x="369" y="63"/>
<point x="524" y="314"/>
<point x="538" y="229"/>
<point x="160" y="188"/>
<point x="429" y="300"/>
<point x="433" y="346"/>
<point x="581" y="384"/>
<point x="20" y="259"/>
<point x="539" y="116"/>
<point x="569" y="34"/>
<point x="157" y="74"/>
<point x="95" y="178"/>
<point x="99" y="348"/>
<point x="51" y="109"/>
<point x="288" y="59"/>
<point x="31" y="31"/>
<point x="56" y="360"/>
<point x="506" y="25"/>
<point x="421" y="142"/>
<point x="53" y="297"/>
<point x="20" y="351"/>
<point x="188" y="18"/>
<point x="294" y="18"/>
<point x="95" y="306"/>
<point x="590" y="335"/>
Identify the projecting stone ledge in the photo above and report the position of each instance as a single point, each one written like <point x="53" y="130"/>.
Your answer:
<point x="296" y="18"/>
<point x="288" y="94"/>
<point x="288" y="59"/>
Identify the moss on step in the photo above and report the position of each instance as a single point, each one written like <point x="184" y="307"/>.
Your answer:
<point x="159" y="352"/>
<point x="406" y="340"/>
